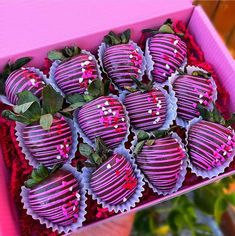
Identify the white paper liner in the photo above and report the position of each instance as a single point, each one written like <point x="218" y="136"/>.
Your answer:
<point x="87" y="140"/>
<point x="179" y="121"/>
<point x="82" y="205"/>
<point x="171" y="113"/>
<point x="6" y="101"/>
<point x="28" y="156"/>
<point x="182" y="172"/>
<point x="150" y="64"/>
<point x="101" y="50"/>
<point x="55" y="65"/>
<point x="206" y="173"/>
<point x="132" y="201"/>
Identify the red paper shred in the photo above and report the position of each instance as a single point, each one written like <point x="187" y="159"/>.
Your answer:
<point x="20" y="169"/>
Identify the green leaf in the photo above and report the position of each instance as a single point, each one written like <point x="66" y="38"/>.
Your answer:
<point x="112" y="38"/>
<point x="43" y="171"/>
<point x="125" y="36"/>
<point x="75" y="98"/>
<point x="26" y="96"/>
<point x="201" y="74"/>
<point x="20" y="62"/>
<point x="101" y="149"/>
<point x="96" y="88"/>
<point x="160" y="133"/>
<point x="205" y="114"/>
<point x="96" y="158"/>
<point x="220" y="207"/>
<point x="30" y="183"/>
<point x="22" y="108"/>
<point x="88" y="98"/>
<point x="85" y="150"/>
<point x="74" y="106"/>
<point x="52" y="101"/>
<point x="89" y="164"/>
<point x="175" y="220"/>
<point x="150" y="142"/>
<point x="33" y="113"/>
<point x="12" y="116"/>
<point x="55" y="55"/>
<point x="130" y="89"/>
<point x="35" y="176"/>
<point x="46" y="121"/>
<point x="106" y="86"/>
<point x="138" y="147"/>
<point x="142" y="135"/>
<point x="231" y="120"/>
<point x="66" y="114"/>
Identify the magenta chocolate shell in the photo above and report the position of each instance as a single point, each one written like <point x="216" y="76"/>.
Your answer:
<point x="122" y="62"/>
<point x="116" y="184"/>
<point x="58" y="201"/>
<point x="75" y="74"/>
<point x="48" y="147"/>
<point x="168" y="53"/>
<point x="104" y="117"/>
<point x="164" y="164"/>
<point x="30" y="79"/>
<point x="151" y="110"/>
<point x="211" y="147"/>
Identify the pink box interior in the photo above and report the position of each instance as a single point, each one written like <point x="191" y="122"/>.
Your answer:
<point x="32" y="28"/>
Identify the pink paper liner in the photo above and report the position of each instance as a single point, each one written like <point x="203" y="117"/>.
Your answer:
<point x="6" y="101"/>
<point x="87" y="140"/>
<point x="150" y="64"/>
<point x="182" y="172"/>
<point x="179" y="121"/>
<point x="170" y="116"/>
<point x="56" y="63"/>
<point x="101" y="50"/>
<point x="32" y="161"/>
<point x="82" y="203"/>
<point x="206" y="173"/>
<point x="132" y="201"/>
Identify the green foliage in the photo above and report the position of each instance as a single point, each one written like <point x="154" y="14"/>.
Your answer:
<point x="64" y="53"/>
<point x="113" y="39"/>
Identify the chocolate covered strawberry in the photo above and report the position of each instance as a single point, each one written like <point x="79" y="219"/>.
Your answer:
<point x="149" y="107"/>
<point x="167" y="51"/>
<point x="193" y="88"/>
<point x="74" y="70"/>
<point x="111" y="178"/>
<point x="55" y="198"/>
<point x="211" y="145"/>
<point x="162" y="160"/>
<point x="121" y="59"/>
<point x="45" y="136"/>
<point x="15" y="79"/>
<point x="103" y="117"/>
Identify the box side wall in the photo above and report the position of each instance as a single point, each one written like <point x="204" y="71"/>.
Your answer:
<point x="215" y="50"/>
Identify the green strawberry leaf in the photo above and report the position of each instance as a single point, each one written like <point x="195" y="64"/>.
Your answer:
<point x="85" y="150"/>
<point x="22" y="108"/>
<point x="73" y="107"/>
<point x="46" y="121"/>
<point x="20" y="62"/>
<point x="201" y="74"/>
<point x="150" y="142"/>
<point x="113" y="39"/>
<point x="66" y="114"/>
<point x="33" y="113"/>
<point x="55" y="55"/>
<point x="125" y="36"/>
<point x="88" y="97"/>
<point x="142" y="135"/>
<point x="160" y="133"/>
<point x="12" y="116"/>
<point x="30" y="183"/>
<point x="55" y="168"/>
<point x="166" y="28"/>
<point x="138" y="147"/>
<point x="96" y="88"/>
<point x="89" y="164"/>
<point x="101" y="148"/>
<point x="75" y="98"/>
<point x="130" y="89"/>
<point x="52" y="101"/>
<point x="96" y="158"/>
<point x="106" y="86"/>
<point x="26" y="96"/>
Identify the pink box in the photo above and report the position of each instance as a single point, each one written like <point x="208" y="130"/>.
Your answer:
<point x="35" y="27"/>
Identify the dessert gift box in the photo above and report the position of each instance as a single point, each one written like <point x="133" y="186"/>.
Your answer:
<point x="35" y="27"/>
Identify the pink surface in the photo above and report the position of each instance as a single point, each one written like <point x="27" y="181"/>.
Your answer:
<point x="34" y="27"/>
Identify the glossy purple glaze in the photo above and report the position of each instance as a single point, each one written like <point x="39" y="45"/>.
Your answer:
<point x="147" y="110"/>
<point x="49" y="147"/>
<point x="74" y="75"/>
<point x="209" y="144"/>
<point x="168" y="53"/>
<point x="191" y="91"/>
<point x="103" y="117"/>
<point x="57" y="198"/>
<point x="20" y="80"/>
<point x="114" y="182"/>
<point x="161" y="163"/>
<point x="121" y="62"/>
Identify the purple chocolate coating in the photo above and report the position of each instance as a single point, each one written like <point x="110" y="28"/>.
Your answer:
<point x="168" y="52"/>
<point x="209" y="144"/>
<point x="74" y="75"/>
<point x="103" y="117"/>
<point x="114" y="182"/>
<point x="20" y="80"/>
<point x="121" y="62"/>
<point x="161" y="163"/>
<point x="49" y="147"/>
<point x="191" y="91"/>
<point x="57" y="198"/>
<point x="147" y="110"/>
